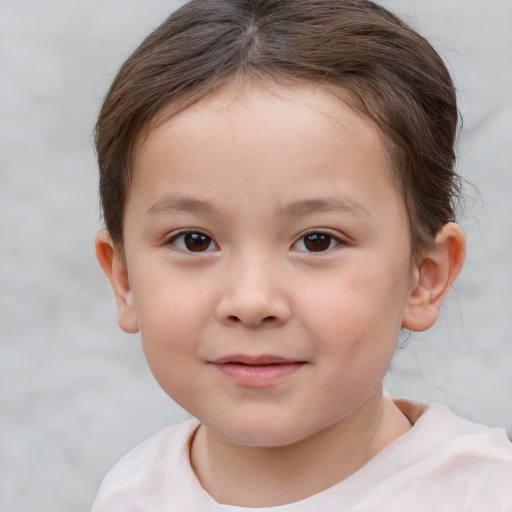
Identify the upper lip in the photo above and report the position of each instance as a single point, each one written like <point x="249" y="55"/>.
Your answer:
<point x="257" y="360"/>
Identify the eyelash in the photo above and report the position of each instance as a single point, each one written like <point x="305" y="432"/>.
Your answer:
<point x="195" y="234"/>
<point x="204" y="242"/>
<point x="318" y="239"/>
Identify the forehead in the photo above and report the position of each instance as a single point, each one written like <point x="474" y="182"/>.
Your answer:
<point x="258" y="135"/>
<point x="268" y="105"/>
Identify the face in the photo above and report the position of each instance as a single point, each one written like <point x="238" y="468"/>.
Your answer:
<point x="269" y="262"/>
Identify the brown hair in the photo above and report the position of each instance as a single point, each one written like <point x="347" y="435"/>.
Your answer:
<point x="391" y="74"/>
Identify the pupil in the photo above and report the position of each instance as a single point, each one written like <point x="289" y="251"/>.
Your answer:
<point x="317" y="242"/>
<point x="197" y="242"/>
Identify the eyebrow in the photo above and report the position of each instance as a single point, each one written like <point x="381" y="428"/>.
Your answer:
<point x="171" y="205"/>
<point x="345" y="205"/>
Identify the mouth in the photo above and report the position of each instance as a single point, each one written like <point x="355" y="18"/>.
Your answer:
<point x="257" y="371"/>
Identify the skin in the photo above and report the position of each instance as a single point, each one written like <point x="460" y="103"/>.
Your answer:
<point x="256" y="172"/>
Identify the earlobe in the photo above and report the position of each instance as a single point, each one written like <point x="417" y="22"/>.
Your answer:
<point x="114" y="266"/>
<point x="433" y="278"/>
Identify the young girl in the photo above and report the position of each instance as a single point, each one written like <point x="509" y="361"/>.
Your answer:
<point x="278" y="191"/>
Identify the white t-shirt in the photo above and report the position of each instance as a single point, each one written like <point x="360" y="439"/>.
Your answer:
<point x="444" y="463"/>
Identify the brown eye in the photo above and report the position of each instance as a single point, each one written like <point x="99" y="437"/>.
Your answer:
<point x="197" y="242"/>
<point x="317" y="242"/>
<point x="193" y="241"/>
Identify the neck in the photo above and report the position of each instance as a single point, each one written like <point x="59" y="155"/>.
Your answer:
<point x="261" y="476"/>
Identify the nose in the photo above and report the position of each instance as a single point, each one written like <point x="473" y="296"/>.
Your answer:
<point x="253" y="295"/>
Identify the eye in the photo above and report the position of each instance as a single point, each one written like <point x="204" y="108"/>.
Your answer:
<point x="316" y="242"/>
<point x="193" y="241"/>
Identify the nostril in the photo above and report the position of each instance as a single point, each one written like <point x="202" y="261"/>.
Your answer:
<point x="266" y="320"/>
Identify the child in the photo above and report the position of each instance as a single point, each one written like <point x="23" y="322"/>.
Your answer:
<point x="278" y="188"/>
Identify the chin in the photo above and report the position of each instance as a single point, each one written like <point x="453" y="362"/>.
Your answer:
<point x="258" y="434"/>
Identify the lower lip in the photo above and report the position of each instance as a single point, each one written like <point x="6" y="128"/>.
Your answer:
<point x="258" y="375"/>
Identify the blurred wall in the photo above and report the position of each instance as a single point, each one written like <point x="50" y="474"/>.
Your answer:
<point x="75" y="393"/>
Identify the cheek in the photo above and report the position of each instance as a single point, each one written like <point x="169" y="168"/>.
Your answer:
<point x="170" y="317"/>
<point x="170" y="328"/>
<point x="359" y="310"/>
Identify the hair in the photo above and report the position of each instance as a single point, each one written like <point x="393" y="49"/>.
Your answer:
<point x="380" y="66"/>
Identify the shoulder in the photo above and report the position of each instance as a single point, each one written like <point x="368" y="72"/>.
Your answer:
<point x="445" y="432"/>
<point x="139" y="479"/>
<point x="468" y="464"/>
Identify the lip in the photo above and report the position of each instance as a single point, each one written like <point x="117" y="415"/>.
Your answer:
<point x="257" y="371"/>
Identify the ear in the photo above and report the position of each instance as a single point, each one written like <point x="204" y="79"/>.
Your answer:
<point x="114" y="265"/>
<point x="433" y="277"/>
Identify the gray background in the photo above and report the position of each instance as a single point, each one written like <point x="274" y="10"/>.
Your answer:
<point x="75" y="393"/>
